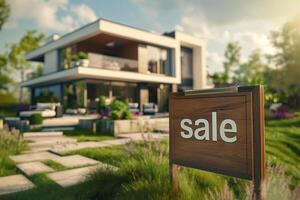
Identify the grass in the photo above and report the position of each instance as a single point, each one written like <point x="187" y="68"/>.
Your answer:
<point x="54" y="165"/>
<point x="283" y="146"/>
<point x="46" y="189"/>
<point x="86" y="135"/>
<point x="10" y="144"/>
<point x="144" y="172"/>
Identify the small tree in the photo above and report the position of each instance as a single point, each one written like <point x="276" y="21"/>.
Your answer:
<point x="4" y="78"/>
<point x="16" y="55"/>
<point x="232" y="61"/>
<point x="285" y="80"/>
<point x="252" y="71"/>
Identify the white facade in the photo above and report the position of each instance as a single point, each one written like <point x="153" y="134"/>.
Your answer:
<point x="51" y="62"/>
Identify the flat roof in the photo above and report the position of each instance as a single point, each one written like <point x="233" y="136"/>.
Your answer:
<point x="105" y="26"/>
<point x="78" y="73"/>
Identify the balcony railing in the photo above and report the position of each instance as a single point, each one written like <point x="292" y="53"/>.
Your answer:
<point x="112" y="63"/>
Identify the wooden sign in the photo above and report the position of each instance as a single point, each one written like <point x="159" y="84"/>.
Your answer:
<point x="219" y="130"/>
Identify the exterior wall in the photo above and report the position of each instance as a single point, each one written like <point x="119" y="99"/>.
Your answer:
<point x="199" y="64"/>
<point x="142" y="59"/>
<point x="199" y="68"/>
<point x="51" y="62"/>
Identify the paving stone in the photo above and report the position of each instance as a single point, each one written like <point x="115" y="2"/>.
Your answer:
<point x="74" y="176"/>
<point x="75" y="161"/>
<point x="32" y="168"/>
<point x="42" y="134"/>
<point x="15" y="183"/>
<point x="50" y="141"/>
<point x="61" y="149"/>
<point x="117" y="141"/>
<point x="29" y="157"/>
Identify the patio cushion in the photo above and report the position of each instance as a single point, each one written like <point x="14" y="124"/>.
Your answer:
<point x="44" y="113"/>
<point x="44" y="106"/>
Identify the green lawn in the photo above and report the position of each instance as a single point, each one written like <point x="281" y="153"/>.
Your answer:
<point x="283" y="145"/>
<point x="54" y="165"/>
<point x="143" y="172"/>
<point x="86" y="135"/>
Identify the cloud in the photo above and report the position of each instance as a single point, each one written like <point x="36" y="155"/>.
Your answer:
<point x="257" y="40"/>
<point x="214" y="59"/>
<point x="84" y="13"/>
<point x="224" y="11"/>
<point x="54" y="15"/>
<point x="153" y="10"/>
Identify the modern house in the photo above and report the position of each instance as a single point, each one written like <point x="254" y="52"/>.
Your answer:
<point x="119" y="61"/>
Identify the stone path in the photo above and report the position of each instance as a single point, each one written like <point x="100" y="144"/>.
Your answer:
<point x="30" y="157"/>
<point x="15" y="183"/>
<point x="61" y="149"/>
<point x="75" y="161"/>
<point x="32" y="168"/>
<point x="51" y="146"/>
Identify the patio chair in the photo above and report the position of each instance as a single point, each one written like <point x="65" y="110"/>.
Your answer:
<point x="134" y="108"/>
<point x="150" y="109"/>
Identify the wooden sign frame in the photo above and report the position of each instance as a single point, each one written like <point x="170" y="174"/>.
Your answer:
<point x="257" y="161"/>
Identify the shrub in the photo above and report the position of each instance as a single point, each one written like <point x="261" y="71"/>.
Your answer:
<point x="74" y="58"/>
<point x="82" y="55"/>
<point x="118" y="105"/>
<point x="126" y="114"/>
<point x="36" y="119"/>
<point x="101" y="104"/>
<point x="119" y="110"/>
<point x="115" y="115"/>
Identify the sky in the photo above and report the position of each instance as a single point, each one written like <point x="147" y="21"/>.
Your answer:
<point x="215" y="21"/>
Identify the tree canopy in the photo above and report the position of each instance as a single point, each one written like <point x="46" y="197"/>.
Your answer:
<point x="286" y="75"/>
<point x="232" y="61"/>
<point x="4" y="12"/>
<point x="17" y="51"/>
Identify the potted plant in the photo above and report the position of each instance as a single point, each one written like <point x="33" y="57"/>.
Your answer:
<point x="74" y="60"/>
<point x="83" y="60"/>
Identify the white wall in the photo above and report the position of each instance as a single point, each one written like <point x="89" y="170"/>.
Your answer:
<point x="199" y="64"/>
<point x="51" y="62"/>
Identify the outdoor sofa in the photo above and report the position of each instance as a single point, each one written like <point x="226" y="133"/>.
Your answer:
<point x="46" y="110"/>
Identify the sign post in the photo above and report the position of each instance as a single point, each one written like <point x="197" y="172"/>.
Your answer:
<point x="219" y="130"/>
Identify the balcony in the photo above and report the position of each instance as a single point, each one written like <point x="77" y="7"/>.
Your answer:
<point x="112" y="63"/>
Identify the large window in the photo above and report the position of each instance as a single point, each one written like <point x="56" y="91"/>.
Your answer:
<point x="96" y="89"/>
<point x="125" y="91"/>
<point x="119" y="90"/>
<point x="47" y="94"/>
<point x="187" y="67"/>
<point x="74" y="94"/>
<point x="159" y="60"/>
